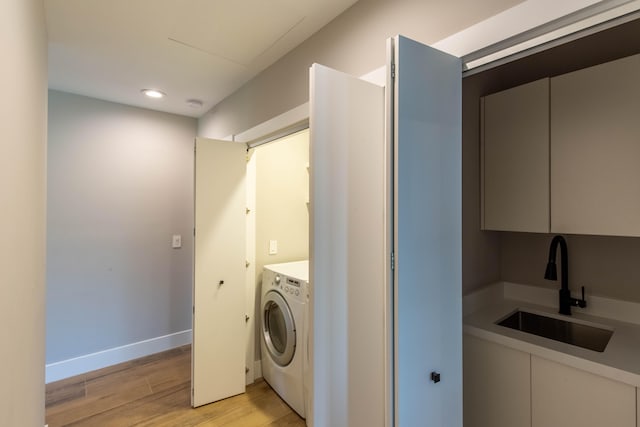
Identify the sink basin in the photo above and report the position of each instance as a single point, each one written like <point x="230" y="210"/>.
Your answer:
<point x="574" y="333"/>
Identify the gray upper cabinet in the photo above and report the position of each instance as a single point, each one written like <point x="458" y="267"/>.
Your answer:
<point x="515" y="159"/>
<point x="595" y="150"/>
<point x="562" y="155"/>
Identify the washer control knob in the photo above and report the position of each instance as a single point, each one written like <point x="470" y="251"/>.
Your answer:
<point x="277" y="279"/>
<point x="297" y="292"/>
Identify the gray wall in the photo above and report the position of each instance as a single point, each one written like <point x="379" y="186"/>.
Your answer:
<point x="23" y="108"/>
<point x="354" y="42"/>
<point x="120" y="183"/>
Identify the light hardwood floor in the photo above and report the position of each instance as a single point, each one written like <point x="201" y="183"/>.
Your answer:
<point x="154" y="391"/>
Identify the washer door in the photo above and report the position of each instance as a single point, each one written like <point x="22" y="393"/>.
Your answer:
<point x="278" y="328"/>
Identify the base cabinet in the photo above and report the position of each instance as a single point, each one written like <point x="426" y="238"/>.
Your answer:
<point x="568" y="397"/>
<point x="496" y="385"/>
<point x="504" y="387"/>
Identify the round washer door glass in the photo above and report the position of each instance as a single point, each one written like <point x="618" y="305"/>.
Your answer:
<point x="278" y="328"/>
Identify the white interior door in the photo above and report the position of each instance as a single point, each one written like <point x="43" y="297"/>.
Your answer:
<point x="428" y="235"/>
<point x="218" y="350"/>
<point x="348" y="250"/>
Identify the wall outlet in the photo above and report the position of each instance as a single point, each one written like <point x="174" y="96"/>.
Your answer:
<point x="273" y="247"/>
<point x="176" y="241"/>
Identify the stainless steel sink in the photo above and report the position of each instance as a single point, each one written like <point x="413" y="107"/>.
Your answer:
<point x="574" y="333"/>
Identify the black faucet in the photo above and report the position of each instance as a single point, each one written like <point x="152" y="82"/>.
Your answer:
<point x="565" y="299"/>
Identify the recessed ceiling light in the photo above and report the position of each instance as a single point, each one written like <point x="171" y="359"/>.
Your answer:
<point x="153" y="93"/>
<point x="194" y="103"/>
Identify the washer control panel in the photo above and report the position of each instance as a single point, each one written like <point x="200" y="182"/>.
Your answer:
<point x="290" y="287"/>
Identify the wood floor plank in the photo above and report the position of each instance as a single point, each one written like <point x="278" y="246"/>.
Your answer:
<point x="289" y="420"/>
<point x="164" y="374"/>
<point x="154" y="391"/>
<point x="261" y="411"/>
<point x="65" y="391"/>
<point x="98" y="403"/>
<point x="141" y="411"/>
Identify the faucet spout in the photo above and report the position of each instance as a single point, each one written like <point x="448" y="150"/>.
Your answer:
<point x="551" y="272"/>
<point x="565" y="299"/>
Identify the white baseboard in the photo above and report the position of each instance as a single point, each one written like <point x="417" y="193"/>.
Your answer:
<point x="90" y="362"/>
<point x="257" y="369"/>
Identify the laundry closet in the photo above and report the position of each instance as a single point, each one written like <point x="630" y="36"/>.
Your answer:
<point x="277" y="221"/>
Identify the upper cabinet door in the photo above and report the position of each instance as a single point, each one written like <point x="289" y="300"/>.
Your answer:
<point x="515" y="159"/>
<point x="348" y="249"/>
<point x="595" y="150"/>
<point x="428" y="235"/>
<point x="218" y="350"/>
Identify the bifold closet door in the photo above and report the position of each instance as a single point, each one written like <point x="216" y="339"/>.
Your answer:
<point x="428" y="235"/>
<point x="218" y="349"/>
<point x="348" y="249"/>
<point x="358" y="223"/>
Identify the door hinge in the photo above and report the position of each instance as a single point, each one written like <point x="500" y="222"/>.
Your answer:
<point x="194" y="309"/>
<point x="194" y="232"/>
<point x="246" y="370"/>
<point x="393" y="70"/>
<point x="247" y="264"/>
<point x="247" y="210"/>
<point x="246" y="318"/>
<point x="393" y="260"/>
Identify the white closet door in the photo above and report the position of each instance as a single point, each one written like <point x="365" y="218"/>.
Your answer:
<point x="348" y="250"/>
<point x="218" y="350"/>
<point x="428" y="235"/>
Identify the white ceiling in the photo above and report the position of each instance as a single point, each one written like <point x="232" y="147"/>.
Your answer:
<point x="189" y="49"/>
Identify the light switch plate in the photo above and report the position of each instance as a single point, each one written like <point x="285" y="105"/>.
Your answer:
<point x="176" y="241"/>
<point x="273" y="247"/>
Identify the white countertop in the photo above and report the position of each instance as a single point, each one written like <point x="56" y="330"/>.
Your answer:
<point x="619" y="361"/>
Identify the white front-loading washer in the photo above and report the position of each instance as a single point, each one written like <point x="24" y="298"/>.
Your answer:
<point x="284" y="302"/>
